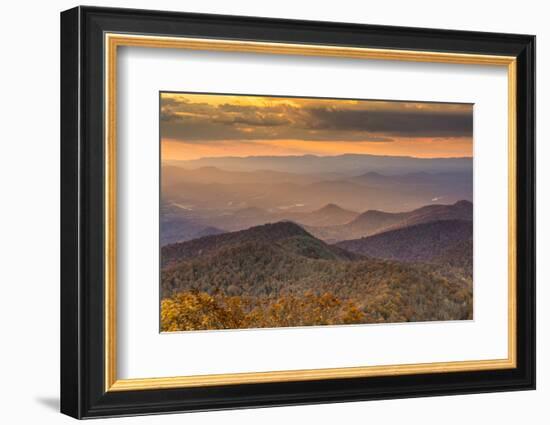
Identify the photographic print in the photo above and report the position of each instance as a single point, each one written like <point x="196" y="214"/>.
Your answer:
<point x="294" y="211"/>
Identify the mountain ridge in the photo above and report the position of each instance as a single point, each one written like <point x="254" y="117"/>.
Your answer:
<point x="375" y="221"/>
<point x="421" y="242"/>
<point x="349" y="163"/>
<point x="271" y="233"/>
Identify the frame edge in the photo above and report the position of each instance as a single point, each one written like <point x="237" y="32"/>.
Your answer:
<point x="70" y="380"/>
<point x="80" y="397"/>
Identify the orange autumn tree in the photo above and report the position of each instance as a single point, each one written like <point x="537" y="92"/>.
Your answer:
<point x="194" y="310"/>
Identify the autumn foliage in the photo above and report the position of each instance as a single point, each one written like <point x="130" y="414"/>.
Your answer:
<point x="201" y="311"/>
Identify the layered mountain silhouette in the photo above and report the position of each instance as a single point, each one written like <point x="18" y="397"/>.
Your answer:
<point x="301" y="182"/>
<point x="352" y="164"/>
<point x="372" y="221"/>
<point x="172" y="175"/>
<point x="245" y="218"/>
<point x="175" y="227"/>
<point x="418" y="179"/>
<point x="183" y="230"/>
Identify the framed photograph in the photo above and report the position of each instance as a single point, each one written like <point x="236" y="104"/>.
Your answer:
<point x="261" y="212"/>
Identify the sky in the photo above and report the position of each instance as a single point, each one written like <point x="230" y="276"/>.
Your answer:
<point x="193" y="126"/>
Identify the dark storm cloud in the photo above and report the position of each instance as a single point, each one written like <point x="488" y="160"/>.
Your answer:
<point x="311" y="120"/>
<point x="408" y="123"/>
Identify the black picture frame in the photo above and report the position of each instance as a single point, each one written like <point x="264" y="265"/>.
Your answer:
<point x="83" y="392"/>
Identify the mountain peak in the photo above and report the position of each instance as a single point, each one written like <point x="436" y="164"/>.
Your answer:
<point x="268" y="234"/>
<point x="375" y="214"/>
<point x="330" y="207"/>
<point x="329" y="215"/>
<point x="280" y="229"/>
<point x="463" y="203"/>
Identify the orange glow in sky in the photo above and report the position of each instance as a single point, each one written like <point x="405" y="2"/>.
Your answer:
<point x="195" y="126"/>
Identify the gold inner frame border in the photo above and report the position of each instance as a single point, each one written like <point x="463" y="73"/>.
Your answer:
<point x="113" y="40"/>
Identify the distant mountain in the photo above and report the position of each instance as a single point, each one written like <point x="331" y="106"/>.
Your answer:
<point x="374" y="178"/>
<point x="424" y="242"/>
<point x="175" y="227"/>
<point x="330" y="214"/>
<point x="373" y="221"/>
<point x="442" y="185"/>
<point x="213" y="188"/>
<point x="376" y="221"/>
<point x="172" y="174"/>
<point x="350" y="164"/>
<point x="233" y="220"/>
<point x="181" y="229"/>
<point x="365" y="224"/>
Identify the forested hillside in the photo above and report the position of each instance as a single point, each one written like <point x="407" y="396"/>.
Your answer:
<point x="280" y="275"/>
<point x="417" y="243"/>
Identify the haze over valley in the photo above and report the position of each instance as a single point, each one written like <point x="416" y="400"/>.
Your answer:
<point x="332" y="205"/>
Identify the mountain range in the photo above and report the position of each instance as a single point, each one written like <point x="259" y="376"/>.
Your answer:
<point x="213" y="188"/>
<point x="351" y="164"/>
<point x="307" y="240"/>
<point x="268" y="261"/>
<point x="330" y="223"/>
<point x="373" y="221"/>
<point x="210" y="200"/>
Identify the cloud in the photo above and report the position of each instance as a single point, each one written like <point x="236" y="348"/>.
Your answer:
<point x="211" y="118"/>
<point x="408" y="123"/>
